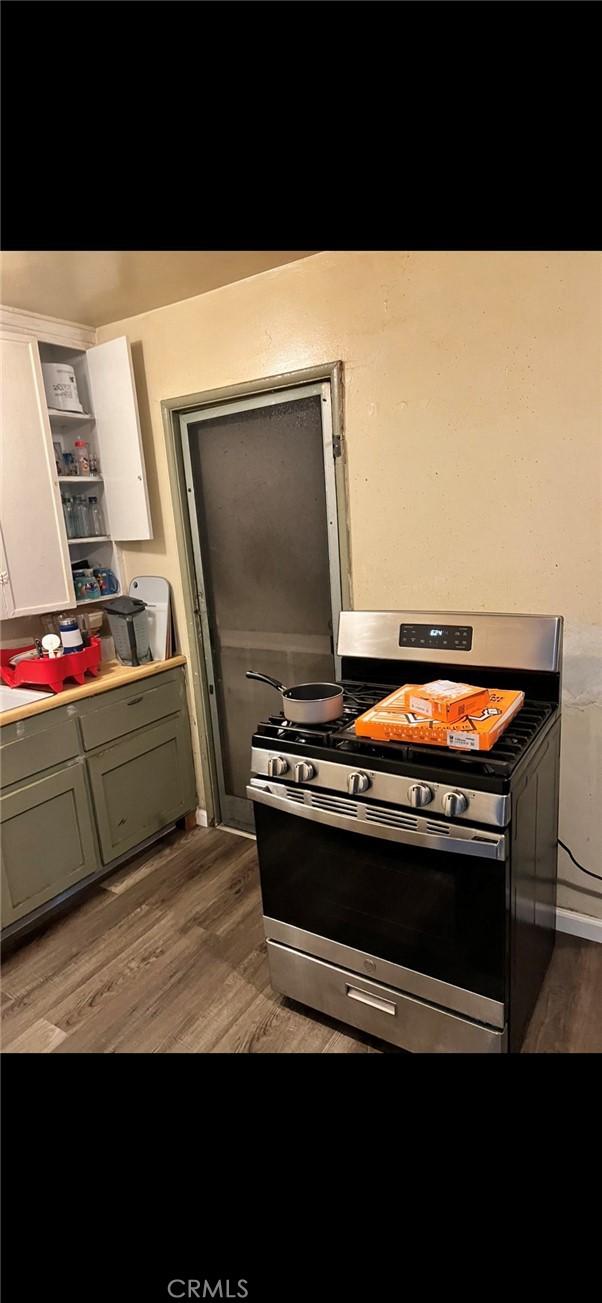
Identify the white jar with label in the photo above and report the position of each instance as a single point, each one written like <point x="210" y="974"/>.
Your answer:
<point x="61" y="387"/>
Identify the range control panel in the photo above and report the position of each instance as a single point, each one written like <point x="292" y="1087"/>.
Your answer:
<point x="443" y="637"/>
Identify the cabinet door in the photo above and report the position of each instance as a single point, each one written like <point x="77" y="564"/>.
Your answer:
<point x="47" y="841"/>
<point x="115" y="408"/>
<point x="7" y="601"/>
<point x="141" y="784"/>
<point x="33" y="527"/>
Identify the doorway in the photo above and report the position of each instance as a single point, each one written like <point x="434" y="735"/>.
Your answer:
<point x="261" y="490"/>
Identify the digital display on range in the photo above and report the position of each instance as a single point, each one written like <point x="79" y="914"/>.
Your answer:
<point x="445" y="637"/>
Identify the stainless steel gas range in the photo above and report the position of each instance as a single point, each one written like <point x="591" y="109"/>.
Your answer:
<point x="410" y="890"/>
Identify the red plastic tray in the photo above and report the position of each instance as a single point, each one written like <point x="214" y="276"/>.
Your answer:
<point x="49" y="673"/>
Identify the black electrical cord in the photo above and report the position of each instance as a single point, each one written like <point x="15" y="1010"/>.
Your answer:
<point x="579" y="866"/>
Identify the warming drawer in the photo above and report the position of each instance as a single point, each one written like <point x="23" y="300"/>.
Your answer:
<point x="380" y="1010"/>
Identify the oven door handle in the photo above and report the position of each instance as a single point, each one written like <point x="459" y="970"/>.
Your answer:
<point x="456" y="839"/>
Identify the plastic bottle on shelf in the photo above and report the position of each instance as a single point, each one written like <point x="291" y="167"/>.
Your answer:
<point x="69" y="515"/>
<point x="81" y="516"/>
<point x="95" y="517"/>
<point x="75" y="520"/>
<point x="82" y="457"/>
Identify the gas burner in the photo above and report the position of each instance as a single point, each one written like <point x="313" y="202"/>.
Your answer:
<point x="288" y="726"/>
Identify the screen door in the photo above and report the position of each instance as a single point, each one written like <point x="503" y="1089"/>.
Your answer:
<point x="263" y="514"/>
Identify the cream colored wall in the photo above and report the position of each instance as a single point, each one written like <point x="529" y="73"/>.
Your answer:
<point x="472" y="404"/>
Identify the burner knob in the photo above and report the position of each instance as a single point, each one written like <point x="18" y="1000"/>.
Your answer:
<point x="454" y="803"/>
<point x="304" y="771"/>
<point x="357" y="783"/>
<point x="420" y="794"/>
<point x="277" y="765"/>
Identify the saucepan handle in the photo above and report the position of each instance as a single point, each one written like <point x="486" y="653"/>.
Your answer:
<point x="265" y="678"/>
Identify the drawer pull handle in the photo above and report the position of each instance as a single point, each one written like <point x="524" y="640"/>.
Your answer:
<point x="364" y="997"/>
<point x="134" y="701"/>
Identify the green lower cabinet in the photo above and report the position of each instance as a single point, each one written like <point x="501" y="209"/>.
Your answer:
<point x="142" y="783"/>
<point x="85" y="787"/>
<point x="47" y="840"/>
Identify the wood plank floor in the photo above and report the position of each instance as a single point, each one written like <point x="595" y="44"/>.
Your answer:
<point x="168" y="956"/>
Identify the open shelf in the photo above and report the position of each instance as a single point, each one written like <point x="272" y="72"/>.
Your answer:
<point x="69" y="417"/>
<point x="92" y="538"/>
<point x="80" y="479"/>
<point x="91" y="601"/>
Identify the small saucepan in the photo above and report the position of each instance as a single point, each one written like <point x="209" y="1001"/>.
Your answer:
<point x="309" y="703"/>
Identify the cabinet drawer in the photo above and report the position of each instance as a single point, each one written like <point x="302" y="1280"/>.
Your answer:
<point x="38" y="745"/>
<point x="47" y="840"/>
<point x="141" y="784"/>
<point x="141" y="704"/>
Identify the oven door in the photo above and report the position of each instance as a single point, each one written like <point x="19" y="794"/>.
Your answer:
<point x="420" y="903"/>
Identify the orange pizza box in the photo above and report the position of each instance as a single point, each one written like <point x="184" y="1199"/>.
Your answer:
<point x="445" y="700"/>
<point x="391" y="720"/>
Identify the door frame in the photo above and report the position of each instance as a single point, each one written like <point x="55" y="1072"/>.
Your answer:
<point x="234" y="810"/>
<point x="172" y="409"/>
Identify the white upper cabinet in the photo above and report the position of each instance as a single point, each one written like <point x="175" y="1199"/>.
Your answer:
<point x="36" y="570"/>
<point x="115" y="408"/>
<point x="39" y="448"/>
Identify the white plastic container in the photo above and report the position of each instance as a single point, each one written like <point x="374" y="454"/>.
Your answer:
<point x="61" y="387"/>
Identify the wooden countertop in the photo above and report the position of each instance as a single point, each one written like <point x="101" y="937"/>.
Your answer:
<point x="110" y="675"/>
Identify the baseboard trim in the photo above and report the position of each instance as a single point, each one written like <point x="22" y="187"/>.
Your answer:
<point x="580" y="925"/>
<point x="203" y="822"/>
<point x="238" y="832"/>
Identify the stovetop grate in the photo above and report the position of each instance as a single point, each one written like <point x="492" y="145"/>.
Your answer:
<point x="340" y="736"/>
